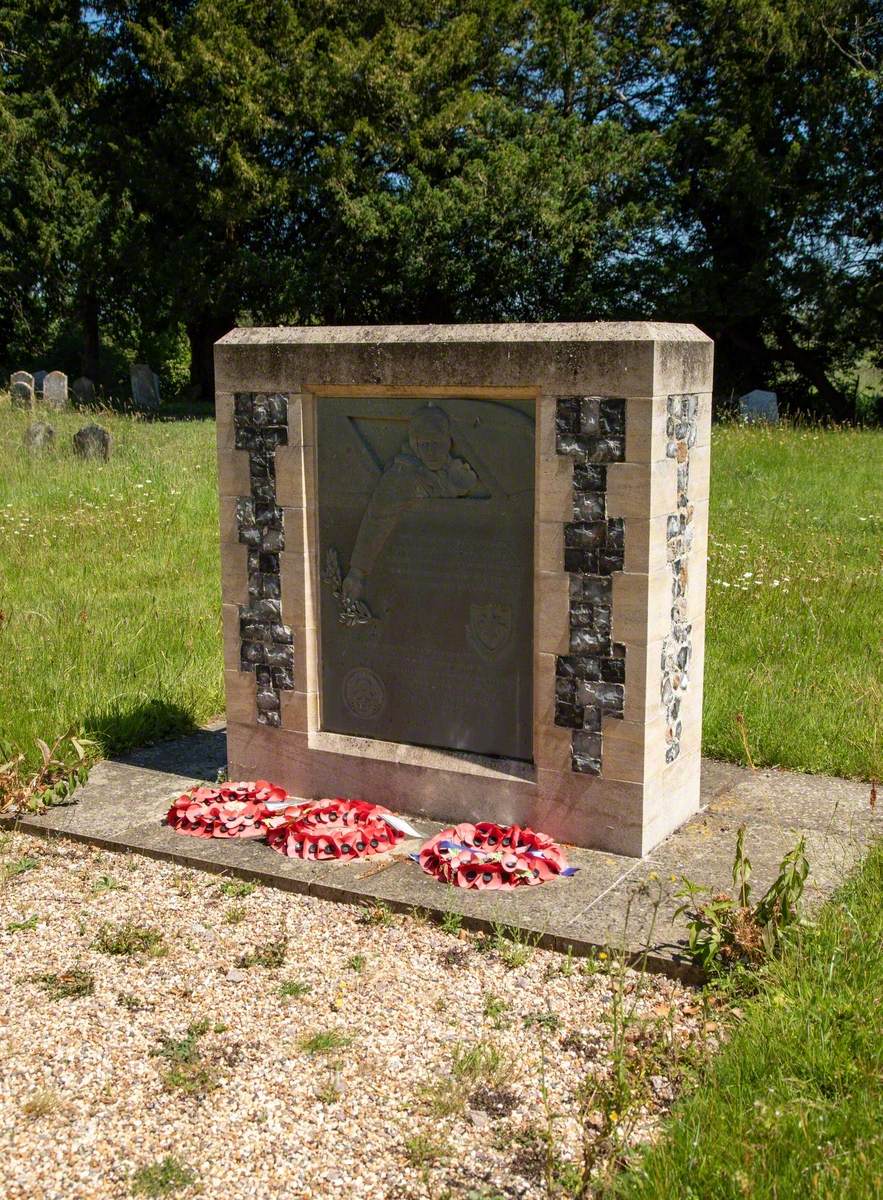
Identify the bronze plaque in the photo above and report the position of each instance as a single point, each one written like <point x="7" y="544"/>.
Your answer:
<point x="426" y="553"/>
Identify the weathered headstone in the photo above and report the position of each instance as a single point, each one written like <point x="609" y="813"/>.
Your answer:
<point x="21" y="387"/>
<point x="145" y="386"/>
<point x="759" y="406"/>
<point x="464" y="569"/>
<point x="92" y="442"/>
<point x="55" y="390"/>
<point x="39" y="436"/>
<point x="84" y="390"/>
<point x="39" y="377"/>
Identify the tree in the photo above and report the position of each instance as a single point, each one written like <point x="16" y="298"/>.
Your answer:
<point x="772" y="132"/>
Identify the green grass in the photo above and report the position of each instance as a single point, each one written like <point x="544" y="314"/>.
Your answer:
<point x="109" y="584"/>
<point x="324" y="1042"/>
<point x="794" y="599"/>
<point x="66" y="985"/>
<point x="790" y="1108"/>
<point x="129" y="939"/>
<point x="293" y="989"/>
<point x="110" y="599"/>
<point x="162" y="1178"/>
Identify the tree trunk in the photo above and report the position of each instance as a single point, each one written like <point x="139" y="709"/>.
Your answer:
<point x="835" y="404"/>
<point x="202" y="333"/>
<point x="91" y="335"/>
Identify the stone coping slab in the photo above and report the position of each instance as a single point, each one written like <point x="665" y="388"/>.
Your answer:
<point x="612" y="902"/>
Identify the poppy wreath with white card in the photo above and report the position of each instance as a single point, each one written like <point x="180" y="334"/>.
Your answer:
<point x="487" y="855"/>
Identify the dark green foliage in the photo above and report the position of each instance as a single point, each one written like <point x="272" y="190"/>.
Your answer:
<point x="171" y="168"/>
<point x="728" y="931"/>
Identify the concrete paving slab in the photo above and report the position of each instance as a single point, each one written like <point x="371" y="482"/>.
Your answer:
<point x="612" y="902"/>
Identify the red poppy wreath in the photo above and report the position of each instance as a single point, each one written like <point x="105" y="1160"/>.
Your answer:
<point x="333" y="829"/>
<point x="487" y="855"/>
<point x="229" y="810"/>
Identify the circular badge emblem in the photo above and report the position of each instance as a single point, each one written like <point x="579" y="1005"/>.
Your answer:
<point x="364" y="693"/>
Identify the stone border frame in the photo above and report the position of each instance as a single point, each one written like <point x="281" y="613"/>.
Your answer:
<point x="614" y="791"/>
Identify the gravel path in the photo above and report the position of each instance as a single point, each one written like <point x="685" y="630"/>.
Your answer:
<point x="439" y="1093"/>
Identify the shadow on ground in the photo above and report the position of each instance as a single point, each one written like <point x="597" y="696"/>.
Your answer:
<point x="137" y="725"/>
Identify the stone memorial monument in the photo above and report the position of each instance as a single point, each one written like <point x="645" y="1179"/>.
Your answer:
<point x="21" y="389"/>
<point x="145" y="386"/>
<point x="464" y="569"/>
<point x="39" y="377"/>
<point x="55" y="390"/>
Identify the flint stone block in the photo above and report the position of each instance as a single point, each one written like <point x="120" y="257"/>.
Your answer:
<point x="613" y="670"/>
<point x="55" y="390"/>
<point x="589" y="641"/>
<point x="608" y="695"/>
<point x="39" y="437"/>
<point x="590" y="415"/>
<point x="589" y="477"/>
<point x="587" y="742"/>
<point x="92" y="442"/>
<point x="589" y="506"/>
<point x="584" y="535"/>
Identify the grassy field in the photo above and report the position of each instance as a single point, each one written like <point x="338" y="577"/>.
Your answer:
<point x="109" y="595"/>
<point x="795" y="599"/>
<point x="109" y="588"/>
<point x="790" y="1108"/>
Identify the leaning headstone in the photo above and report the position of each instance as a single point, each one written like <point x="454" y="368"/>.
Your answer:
<point x="55" y="390"/>
<point x="21" y="387"/>
<point x="39" y="376"/>
<point x="84" y="390"/>
<point x="759" y="405"/>
<point x="39" y="436"/>
<point x="145" y="386"/>
<point x="92" y="442"/>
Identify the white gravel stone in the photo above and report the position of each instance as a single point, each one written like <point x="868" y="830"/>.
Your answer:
<point x="82" y="1099"/>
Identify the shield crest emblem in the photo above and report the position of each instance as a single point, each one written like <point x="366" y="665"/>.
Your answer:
<point x="490" y="628"/>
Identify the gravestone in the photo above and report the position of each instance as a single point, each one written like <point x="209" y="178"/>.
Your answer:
<point x="84" y="390"/>
<point x="21" y="388"/>
<point x="92" y="442"/>
<point x="463" y="569"/>
<point x="38" y="437"/>
<point x="145" y="386"/>
<point x="39" y="377"/>
<point x="426" y="512"/>
<point x="55" y="390"/>
<point x="759" y="406"/>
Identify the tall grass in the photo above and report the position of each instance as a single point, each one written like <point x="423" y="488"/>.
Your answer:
<point x="795" y="602"/>
<point x="109" y="584"/>
<point x="790" y="1108"/>
<point x="110" y="599"/>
